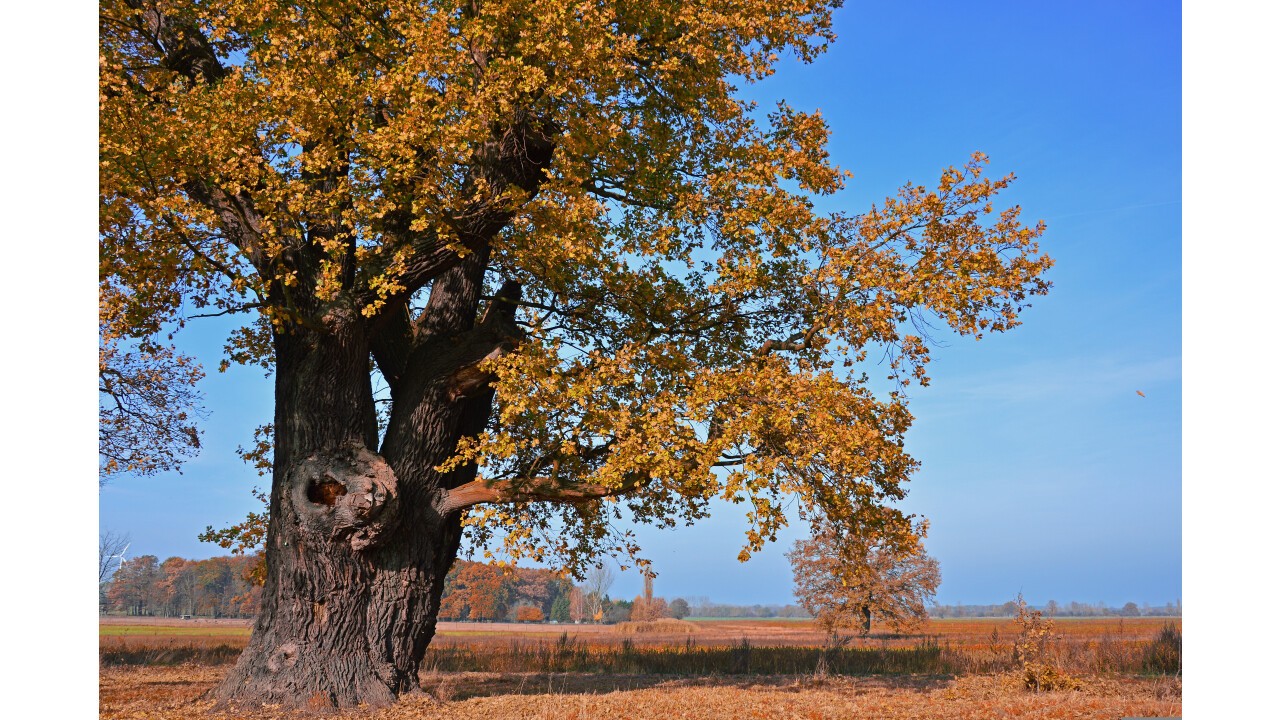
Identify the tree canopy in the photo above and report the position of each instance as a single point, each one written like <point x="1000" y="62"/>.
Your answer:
<point x="683" y="325"/>
<point x="844" y="580"/>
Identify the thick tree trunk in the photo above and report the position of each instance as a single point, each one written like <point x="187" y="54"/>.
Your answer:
<point x="356" y="551"/>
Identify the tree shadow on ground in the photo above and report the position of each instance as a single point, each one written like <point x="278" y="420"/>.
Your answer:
<point x="451" y="686"/>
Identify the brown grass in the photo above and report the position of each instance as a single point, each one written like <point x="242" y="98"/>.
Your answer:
<point x="727" y="669"/>
<point x="175" y="693"/>
<point x="166" y="641"/>
<point x="958" y="646"/>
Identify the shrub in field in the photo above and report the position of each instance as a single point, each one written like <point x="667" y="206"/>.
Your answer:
<point x="1039" y="672"/>
<point x="1045" y="676"/>
<point x="1164" y="653"/>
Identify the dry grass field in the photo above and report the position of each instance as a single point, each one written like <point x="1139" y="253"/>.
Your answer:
<point x="705" y="669"/>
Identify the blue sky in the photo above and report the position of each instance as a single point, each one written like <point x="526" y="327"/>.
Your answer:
<point x="1043" y="470"/>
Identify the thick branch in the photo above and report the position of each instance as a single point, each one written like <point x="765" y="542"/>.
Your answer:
<point x="455" y="295"/>
<point x="481" y="491"/>
<point x="498" y="332"/>
<point x="391" y="342"/>
<point x="474" y="377"/>
<point x="183" y="47"/>
<point x="798" y="342"/>
<point x="432" y="257"/>
<point x="238" y="217"/>
<point x="325" y="226"/>
<point x="790" y="344"/>
<point x="598" y="189"/>
<point x="515" y="159"/>
<point x="231" y="310"/>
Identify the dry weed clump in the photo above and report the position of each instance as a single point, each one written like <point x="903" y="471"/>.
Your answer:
<point x="1164" y="653"/>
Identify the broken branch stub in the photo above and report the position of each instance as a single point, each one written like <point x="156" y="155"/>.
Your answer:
<point x="347" y="496"/>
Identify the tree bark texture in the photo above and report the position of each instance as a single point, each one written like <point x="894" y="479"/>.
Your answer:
<point x="356" y="549"/>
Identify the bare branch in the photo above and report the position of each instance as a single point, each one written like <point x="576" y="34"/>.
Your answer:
<point x="230" y="311"/>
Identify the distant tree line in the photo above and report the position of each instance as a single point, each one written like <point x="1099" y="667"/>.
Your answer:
<point x="230" y="586"/>
<point x="703" y="607"/>
<point x="217" y="587"/>
<point x="1054" y="609"/>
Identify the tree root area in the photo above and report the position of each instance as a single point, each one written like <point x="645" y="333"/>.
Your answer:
<point x="178" y="693"/>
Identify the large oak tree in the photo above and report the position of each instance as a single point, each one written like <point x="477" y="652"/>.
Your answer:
<point x="584" y="277"/>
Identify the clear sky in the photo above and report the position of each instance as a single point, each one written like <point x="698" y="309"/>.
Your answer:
<point x="1043" y="469"/>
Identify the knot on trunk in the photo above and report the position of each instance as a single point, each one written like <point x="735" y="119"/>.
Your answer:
<point x="346" y="496"/>
<point x="285" y="656"/>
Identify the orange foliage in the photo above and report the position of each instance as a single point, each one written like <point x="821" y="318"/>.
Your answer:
<point x="844" y="580"/>
<point x="528" y="613"/>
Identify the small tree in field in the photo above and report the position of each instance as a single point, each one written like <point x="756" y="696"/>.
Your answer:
<point x="577" y="605"/>
<point x="843" y="582"/>
<point x="646" y="606"/>
<point x="679" y="608"/>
